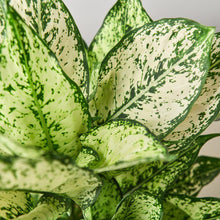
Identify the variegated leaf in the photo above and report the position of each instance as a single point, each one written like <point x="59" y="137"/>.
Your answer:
<point x="14" y="204"/>
<point x="47" y="174"/>
<point x="2" y="23"/>
<point x="124" y="16"/>
<point x="39" y="105"/>
<point x="203" y="171"/>
<point x="55" y="25"/>
<point x="140" y="205"/>
<point x="140" y="78"/>
<point x="195" y="208"/>
<point x="8" y="147"/>
<point x="171" y="212"/>
<point x="49" y="207"/>
<point x="105" y="205"/>
<point x="206" y="107"/>
<point x="162" y="180"/>
<point x="122" y="143"/>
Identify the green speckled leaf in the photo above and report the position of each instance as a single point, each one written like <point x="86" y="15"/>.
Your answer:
<point x="122" y="143"/>
<point x="161" y="181"/>
<point x="196" y="208"/>
<point x="140" y="78"/>
<point x="140" y="205"/>
<point x="55" y="25"/>
<point x="203" y="171"/>
<point x="124" y="16"/>
<point x="39" y="105"/>
<point x="47" y="174"/>
<point x="206" y="107"/>
<point x="2" y="22"/>
<point x="8" y="147"/>
<point x="105" y="205"/>
<point x="49" y="207"/>
<point x="14" y="204"/>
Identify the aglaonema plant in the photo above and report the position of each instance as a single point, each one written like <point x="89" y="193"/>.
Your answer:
<point x="109" y="131"/>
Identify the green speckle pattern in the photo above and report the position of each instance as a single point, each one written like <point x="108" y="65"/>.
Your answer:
<point x="202" y="172"/>
<point x="39" y="105"/>
<point x="122" y="18"/>
<point x="14" y="204"/>
<point x="207" y="106"/>
<point x="140" y="205"/>
<point x="140" y="78"/>
<point x="55" y="25"/>
<point x="123" y="143"/>
<point x="47" y="174"/>
<point x="196" y="208"/>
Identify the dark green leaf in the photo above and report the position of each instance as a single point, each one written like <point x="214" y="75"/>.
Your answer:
<point x="195" y="208"/>
<point x="140" y="78"/>
<point x="203" y="171"/>
<point x="55" y="25"/>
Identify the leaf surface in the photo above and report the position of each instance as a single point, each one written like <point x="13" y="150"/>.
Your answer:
<point x="123" y="17"/>
<point x="47" y="174"/>
<point x="140" y="78"/>
<point x="55" y="25"/>
<point x="139" y="205"/>
<point x="49" y="207"/>
<point x="123" y="143"/>
<point x="106" y="203"/>
<point x="206" y="107"/>
<point x="39" y="105"/>
<point x="203" y="171"/>
<point x="14" y="204"/>
<point x="196" y="208"/>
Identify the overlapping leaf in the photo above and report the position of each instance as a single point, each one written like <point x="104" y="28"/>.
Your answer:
<point x="203" y="171"/>
<point x="55" y="25"/>
<point x="51" y="175"/>
<point x="2" y="22"/>
<point x="14" y="204"/>
<point x="155" y="74"/>
<point x="206" y="107"/>
<point x="195" y="208"/>
<point x="105" y="205"/>
<point x="122" y="143"/>
<point x="162" y="180"/>
<point x="124" y="16"/>
<point x="49" y="207"/>
<point x="139" y="205"/>
<point x="158" y="176"/>
<point x="39" y="105"/>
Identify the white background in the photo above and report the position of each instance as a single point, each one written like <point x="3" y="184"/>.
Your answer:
<point x="89" y="14"/>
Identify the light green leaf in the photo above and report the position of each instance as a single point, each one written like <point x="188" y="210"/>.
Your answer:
<point x="14" y="204"/>
<point x="162" y="180"/>
<point x="55" y="25"/>
<point x="203" y="171"/>
<point x="105" y="205"/>
<point x="122" y="143"/>
<point x="206" y="107"/>
<point x="2" y="23"/>
<point x="196" y="208"/>
<point x="122" y="18"/>
<point x="218" y="117"/>
<point x="39" y="104"/>
<point x="140" y="205"/>
<point x="50" y="207"/>
<point x="49" y="174"/>
<point x="8" y="147"/>
<point x="140" y="78"/>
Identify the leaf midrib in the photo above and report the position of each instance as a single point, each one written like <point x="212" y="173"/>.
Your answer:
<point x="30" y="80"/>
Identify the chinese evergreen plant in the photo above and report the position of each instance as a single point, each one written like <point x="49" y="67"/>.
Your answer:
<point x="111" y="131"/>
